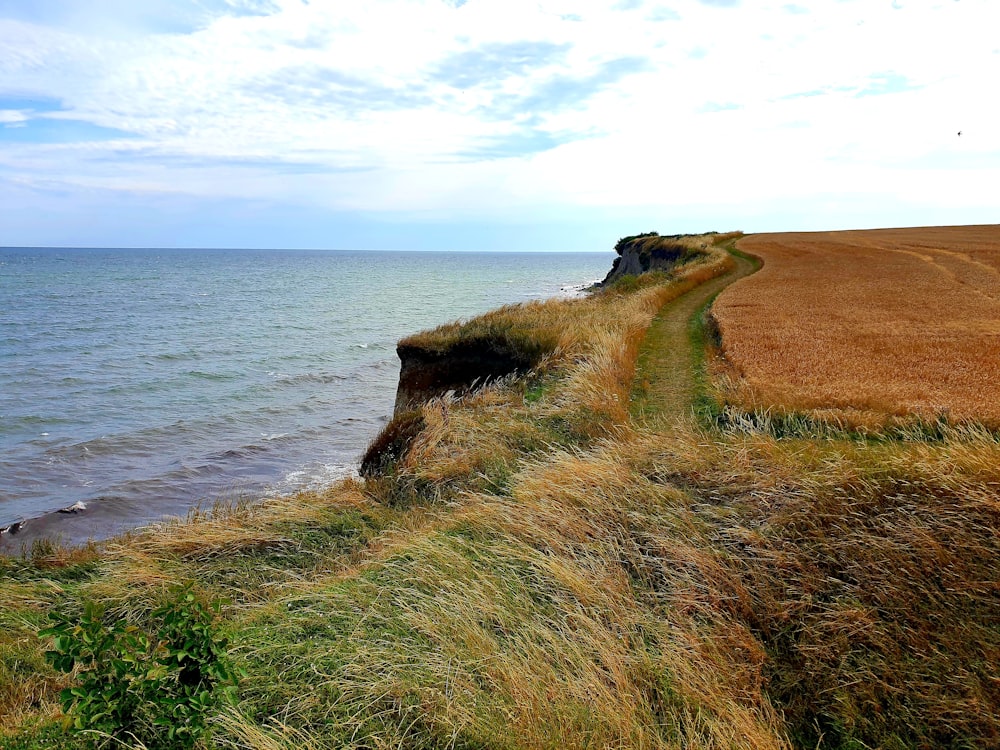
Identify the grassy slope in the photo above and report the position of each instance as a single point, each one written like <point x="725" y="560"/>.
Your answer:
<point x="543" y="571"/>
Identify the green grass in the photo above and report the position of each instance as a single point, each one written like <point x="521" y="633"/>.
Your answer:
<point x="670" y="366"/>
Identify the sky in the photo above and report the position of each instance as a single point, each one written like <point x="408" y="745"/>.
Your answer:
<point x="490" y="124"/>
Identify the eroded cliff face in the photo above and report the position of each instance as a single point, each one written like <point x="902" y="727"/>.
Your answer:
<point x="425" y="374"/>
<point x="649" y="252"/>
<point x="430" y="371"/>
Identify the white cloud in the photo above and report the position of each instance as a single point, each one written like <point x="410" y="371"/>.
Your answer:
<point x="488" y="108"/>
<point x="13" y="117"/>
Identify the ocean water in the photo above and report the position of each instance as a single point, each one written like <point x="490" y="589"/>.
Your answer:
<point x="143" y="383"/>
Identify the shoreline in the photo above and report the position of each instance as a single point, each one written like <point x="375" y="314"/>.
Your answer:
<point x="99" y="521"/>
<point x="108" y="515"/>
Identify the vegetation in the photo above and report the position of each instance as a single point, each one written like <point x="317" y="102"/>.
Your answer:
<point x="392" y="443"/>
<point x="136" y="688"/>
<point x="573" y="559"/>
<point x="626" y="241"/>
<point x="654" y="251"/>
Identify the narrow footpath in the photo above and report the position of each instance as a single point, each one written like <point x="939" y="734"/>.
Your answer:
<point x="666" y="383"/>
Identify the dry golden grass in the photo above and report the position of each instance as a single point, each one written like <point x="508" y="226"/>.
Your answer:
<point x="897" y="322"/>
<point x="584" y="384"/>
<point x="864" y="574"/>
<point x="368" y="615"/>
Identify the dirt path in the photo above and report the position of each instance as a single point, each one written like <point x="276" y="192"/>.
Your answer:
<point x="665" y="383"/>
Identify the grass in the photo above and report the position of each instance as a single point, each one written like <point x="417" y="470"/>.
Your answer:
<point x="541" y="568"/>
<point x="671" y="358"/>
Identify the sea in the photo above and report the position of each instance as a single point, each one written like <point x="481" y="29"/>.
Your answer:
<point x="146" y="383"/>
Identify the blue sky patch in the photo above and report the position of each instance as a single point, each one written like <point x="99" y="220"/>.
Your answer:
<point x="495" y="62"/>
<point x="30" y="103"/>
<point x="271" y="166"/>
<point x="49" y="130"/>
<point x="664" y="14"/>
<point x="152" y="16"/>
<point x="344" y="94"/>
<point x="886" y="83"/>
<point x="516" y="144"/>
<point x="567" y="92"/>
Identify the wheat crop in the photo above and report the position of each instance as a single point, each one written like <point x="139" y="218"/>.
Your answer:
<point x="902" y="322"/>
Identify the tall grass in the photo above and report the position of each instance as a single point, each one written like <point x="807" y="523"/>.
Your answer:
<point x="863" y="570"/>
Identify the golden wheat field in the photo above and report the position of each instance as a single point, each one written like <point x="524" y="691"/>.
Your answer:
<point x="904" y="322"/>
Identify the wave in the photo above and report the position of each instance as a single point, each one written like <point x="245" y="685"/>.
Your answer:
<point x="203" y="375"/>
<point x="171" y="356"/>
<point x="138" y="443"/>
<point x="140" y="501"/>
<point x="321" y="378"/>
<point x="316" y="477"/>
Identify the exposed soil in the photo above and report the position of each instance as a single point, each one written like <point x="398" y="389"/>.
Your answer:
<point x="426" y="374"/>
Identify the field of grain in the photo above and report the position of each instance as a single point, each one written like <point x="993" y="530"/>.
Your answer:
<point x="903" y="322"/>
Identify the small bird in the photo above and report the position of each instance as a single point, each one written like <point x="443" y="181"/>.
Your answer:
<point x="960" y="132"/>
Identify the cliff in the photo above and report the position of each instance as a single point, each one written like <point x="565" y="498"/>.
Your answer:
<point x="458" y="358"/>
<point x="427" y="373"/>
<point x="461" y="357"/>
<point x="651" y="251"/>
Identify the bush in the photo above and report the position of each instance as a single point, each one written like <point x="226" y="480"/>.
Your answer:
<point x="157" y="689"/>
<point x="625" y="241"/>
<point x="392" y="443"/>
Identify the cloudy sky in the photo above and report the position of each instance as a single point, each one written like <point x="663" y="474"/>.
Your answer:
<point x="490" y="124"/>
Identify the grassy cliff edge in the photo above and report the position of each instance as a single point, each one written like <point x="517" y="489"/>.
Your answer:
<point x="539" y="565"/>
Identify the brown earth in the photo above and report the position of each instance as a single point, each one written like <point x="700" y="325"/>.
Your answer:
<point x="893" y="321"/>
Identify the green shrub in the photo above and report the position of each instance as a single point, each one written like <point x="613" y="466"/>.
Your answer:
<point x="156" y="689"/>
<point x="625" y="241"/>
